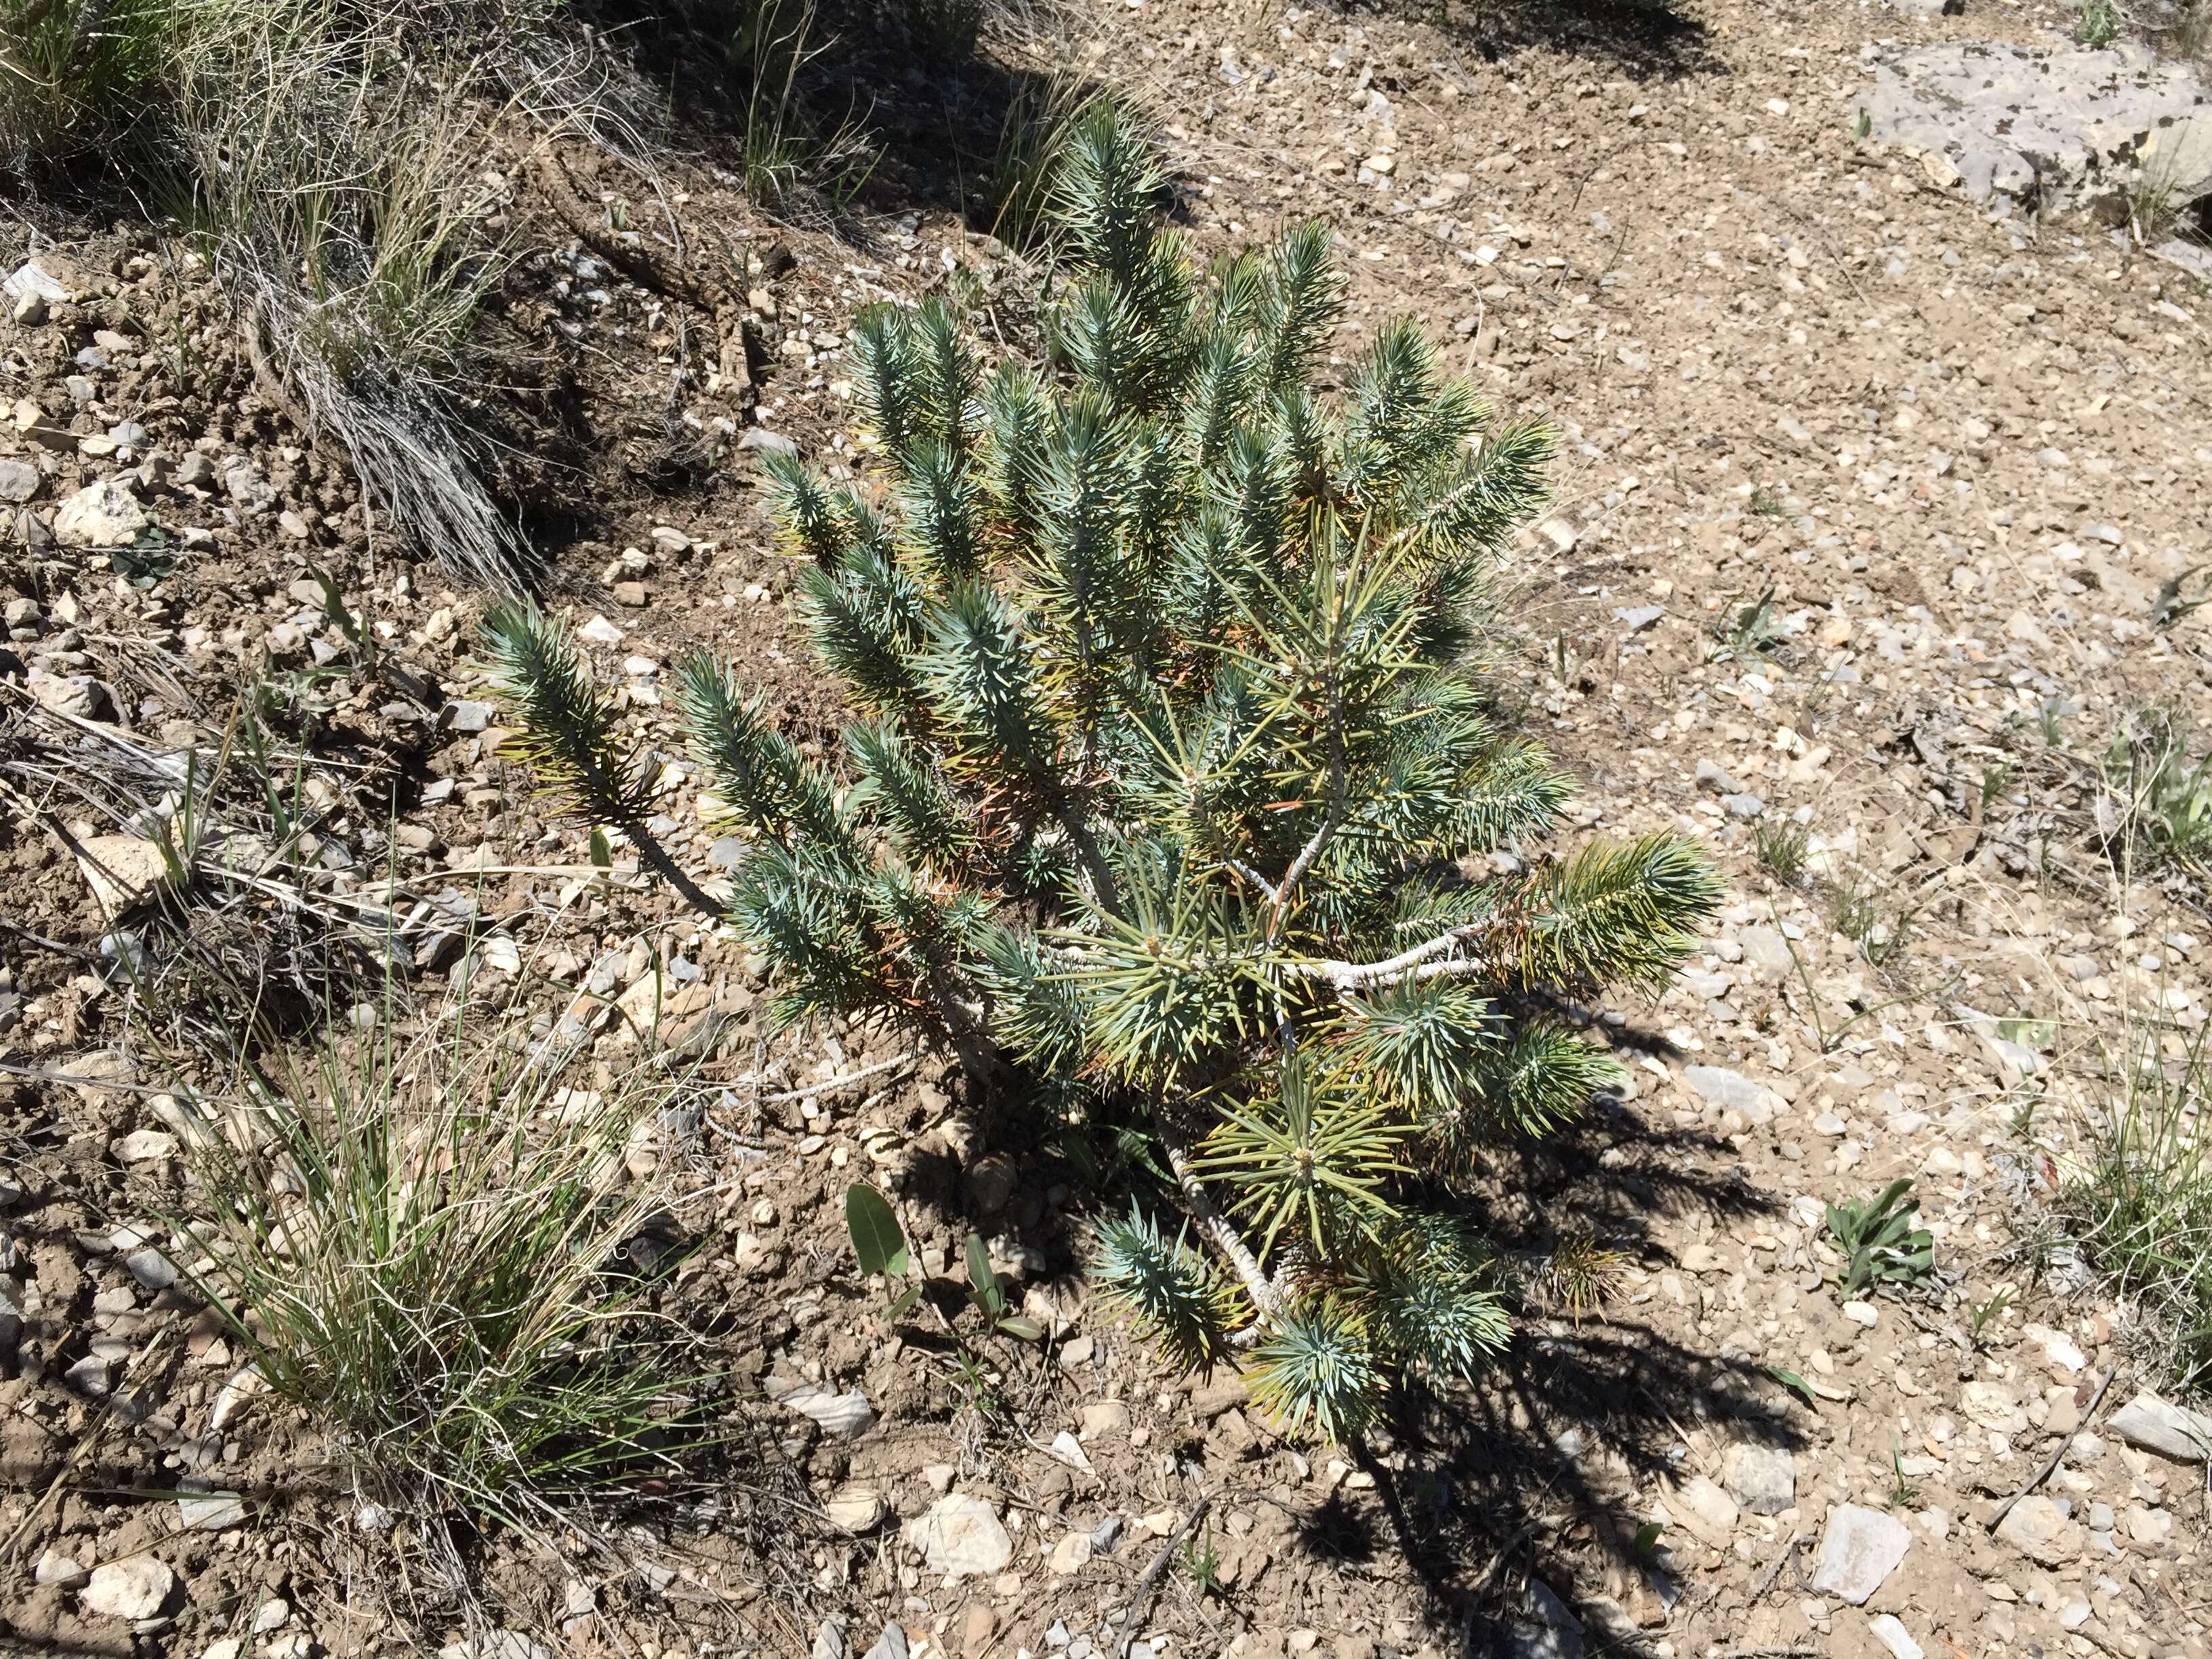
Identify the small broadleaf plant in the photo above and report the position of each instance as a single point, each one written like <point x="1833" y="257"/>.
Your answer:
<point x="1172" y="798"/>
<point x="1881" y="1240"/>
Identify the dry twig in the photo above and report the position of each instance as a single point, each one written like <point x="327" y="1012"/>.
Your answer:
<point x="2057" y="1452"/>
<point x="1148" y="1587"/>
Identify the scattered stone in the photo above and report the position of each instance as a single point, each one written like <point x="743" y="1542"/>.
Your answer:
<point x="231" y="1399"/>
<point x="1862" y="1313"/>
<point x="1993" y="1406"/>
<point x="1745" y="807"/>
<point x="137" y="1586"/>
<point x="759" y="438"/>
<point x="2044" y="1530"/>
<point x="1733" y="1091"/>
<point x="843" y="1416"/>
<point x="19" y="481"/>
<point x="58" y="1571"/>
<point x="1762" y="1478"/>
<point x="1103" y="1419"/>
<point x="497" y="1644"/>
<point x="30" y="278"/>
<point x="2154" y="1425"/>
<point x="1556" y="1632"/>
<point x="103" y="514"/>
<point x="1890" y="1632"/>
<point x="2149" y="1527"/>
<point x="120" y="870"/>
<point x="75" y="696"/>
<point x="1069" y="1450"/>
<point x="1636" y="618"/>
<point x="465" y="716"/>
<point x="890" y="1642"/>
<point x="1862" y="1548"/>
<point x="961" y="1535"/>
<point x="991" y="1183"/>
<point x="144" y="1145"/>
<point x="153" y="1270"/>
<point x="215" y="1511"/>
<point x="1711" y="777"/>
<point x="1705" y="1509"/>
<point x="1071" y="1554"/>
<point x="856" y="1509"/>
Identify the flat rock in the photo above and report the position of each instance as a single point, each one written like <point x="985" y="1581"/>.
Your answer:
<point x="1862" y="1547"/>
<point x="137" y="1586"/>
<point x="961" y="1535"/>
<point x="1762" y="1478"/>
<point x="2061" y="130"/>
<point x="2154" y="1425"/>
<point x="2043" y="1531"/>
<point x="1069" y="1450"/>
<point x="1733" y="1091"/>
<point x="103" y="514"/>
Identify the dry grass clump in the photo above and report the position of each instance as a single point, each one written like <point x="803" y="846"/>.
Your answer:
<point x="434" y="1246"/>
<point x="332" y="156"/>
<point x="2142" y="1210"/>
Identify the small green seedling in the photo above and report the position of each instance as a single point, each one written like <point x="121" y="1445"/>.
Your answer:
<point x="1903" y="1494"/>
<point x="1783" y="846"/>
<point x="988" y="1293"/>
<point x="1645" y="1546"/>
<point x="1796" y="1385"/>
<point x="1880" y="1243"/>
<point x="1201" y="1562"/>
<point x="880" y="1245"/>
<point x="1980" y="1315"/>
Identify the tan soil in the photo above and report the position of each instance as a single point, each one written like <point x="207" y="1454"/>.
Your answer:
<point x="1960" y="454"/>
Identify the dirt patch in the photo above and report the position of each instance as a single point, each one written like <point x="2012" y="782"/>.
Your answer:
<point x="1947" y="464"/>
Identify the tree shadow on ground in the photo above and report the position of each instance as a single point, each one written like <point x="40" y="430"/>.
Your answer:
<point x="860" y="106"/>
<point x="1646" y="39"/>
<point x="1542" y="1469"/>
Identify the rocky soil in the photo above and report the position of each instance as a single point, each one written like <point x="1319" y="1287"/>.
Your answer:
<point x="1873" y="510"/>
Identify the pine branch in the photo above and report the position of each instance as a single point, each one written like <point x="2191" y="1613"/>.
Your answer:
<point x="570" y="734"/>
<point x="1408" y="967"/>
<point x="1266" y="1301"/>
